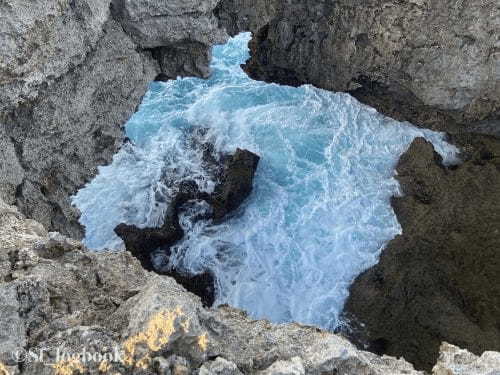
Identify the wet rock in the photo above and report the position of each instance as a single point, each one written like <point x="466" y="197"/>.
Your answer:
<point x="140" y="242"/>
<point x="236" y="183"/>
<point x="439" y="280"/>
<point x="237" y="173"/>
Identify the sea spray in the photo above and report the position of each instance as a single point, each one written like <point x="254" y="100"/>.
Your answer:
<point x="320" y="211"/>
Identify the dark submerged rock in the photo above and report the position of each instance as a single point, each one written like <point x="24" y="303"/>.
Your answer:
<point x="237" y="172"/>
<point x="439" y="280"/>
<point x="236" y="183"/>
<point x="142" y="241"/>
<point x="203" y="284"/>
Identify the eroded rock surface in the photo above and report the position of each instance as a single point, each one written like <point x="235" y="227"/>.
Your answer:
<point x="238" y="172"/>
<point x="246" y="15"/>
<point x="439" y="280"/>
<point x="432" y="63"/>
<point x="71" y="74"/>
<point x="56" y="294"/>
<point x="455" y="361"/>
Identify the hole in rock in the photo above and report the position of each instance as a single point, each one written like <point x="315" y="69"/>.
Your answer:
<point x="319" y="213"/>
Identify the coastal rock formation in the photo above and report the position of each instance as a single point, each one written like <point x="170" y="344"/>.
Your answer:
<point x="180" y="33"/>
<point x="71" y="74"/>
<point x="246" y="15"/>
<point x="236" y="173"/>
<point x="140" y="242"/>
<point x="431" y="63"/>
<point x="455" y="361"/>
<point x="439" y="280"/>
<point x="142" y="323"/>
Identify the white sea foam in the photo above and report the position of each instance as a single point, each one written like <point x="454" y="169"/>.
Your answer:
<point x="320" y="211"/>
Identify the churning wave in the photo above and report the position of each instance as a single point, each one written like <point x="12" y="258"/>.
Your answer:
<point x="320" y="211"/>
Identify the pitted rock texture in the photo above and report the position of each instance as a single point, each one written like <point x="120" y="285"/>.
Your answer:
<point x="455" y="361"/>
<point x="56" y="294"/>
<point x="71" y="74"/>
<point x="73" y="126"/>
<point x="246" y="15"/>
<point x="433" y="63"/>
<point x="159" y="23"/>
<point x="439" y="280"/>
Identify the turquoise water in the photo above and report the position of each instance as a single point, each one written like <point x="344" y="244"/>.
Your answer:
<point x="319" y="213"/>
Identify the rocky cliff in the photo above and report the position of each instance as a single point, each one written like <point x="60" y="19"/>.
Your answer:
<point x="71" y="74"/>
<point x="439" y="280"/>
<point x="433" y="63"/>
<point x="59" y="300"/>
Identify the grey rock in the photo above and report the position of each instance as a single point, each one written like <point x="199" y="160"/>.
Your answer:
<point x="12" y="328"/>
<point x="245" y="15"/>
<point x="162" y="23"/>
<point x="431" y="63"/>
<point x="455" y="361"/>
<point x="220" y="366"/>
<point x="292" y="367"/>
<point x="72" y="126"/>
<point x="41" y="41"/>
<point x="70" y="77"/>
<point x="437" y="281"/>
<point x="77" y="301"/>
<point x="184" y="60"/>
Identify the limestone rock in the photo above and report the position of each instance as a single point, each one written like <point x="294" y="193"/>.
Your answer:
<point x="292" y="367"/>
<point x="33" y="34"/>
<point x="104" y="305"/>
<point x="162" y="23"/>
<point x="455" y="361"/>
<point x="71" y="74"/>
<point x="245" y="15"/>
<point x="427" y="62"/>
<point x="219" y="367"/>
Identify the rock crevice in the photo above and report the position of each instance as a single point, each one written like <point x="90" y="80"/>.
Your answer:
<point x="71" y="74"/>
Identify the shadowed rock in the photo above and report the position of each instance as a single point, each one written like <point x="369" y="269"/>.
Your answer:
<point x="237" y="173"/>
<point x="142" y="241"/>
<point x="236" y="183"/>
<point x="439" y="280"/>
<point x="443" y="79"/>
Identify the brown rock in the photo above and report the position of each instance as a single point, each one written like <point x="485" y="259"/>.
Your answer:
<point x="439" y="280"/>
